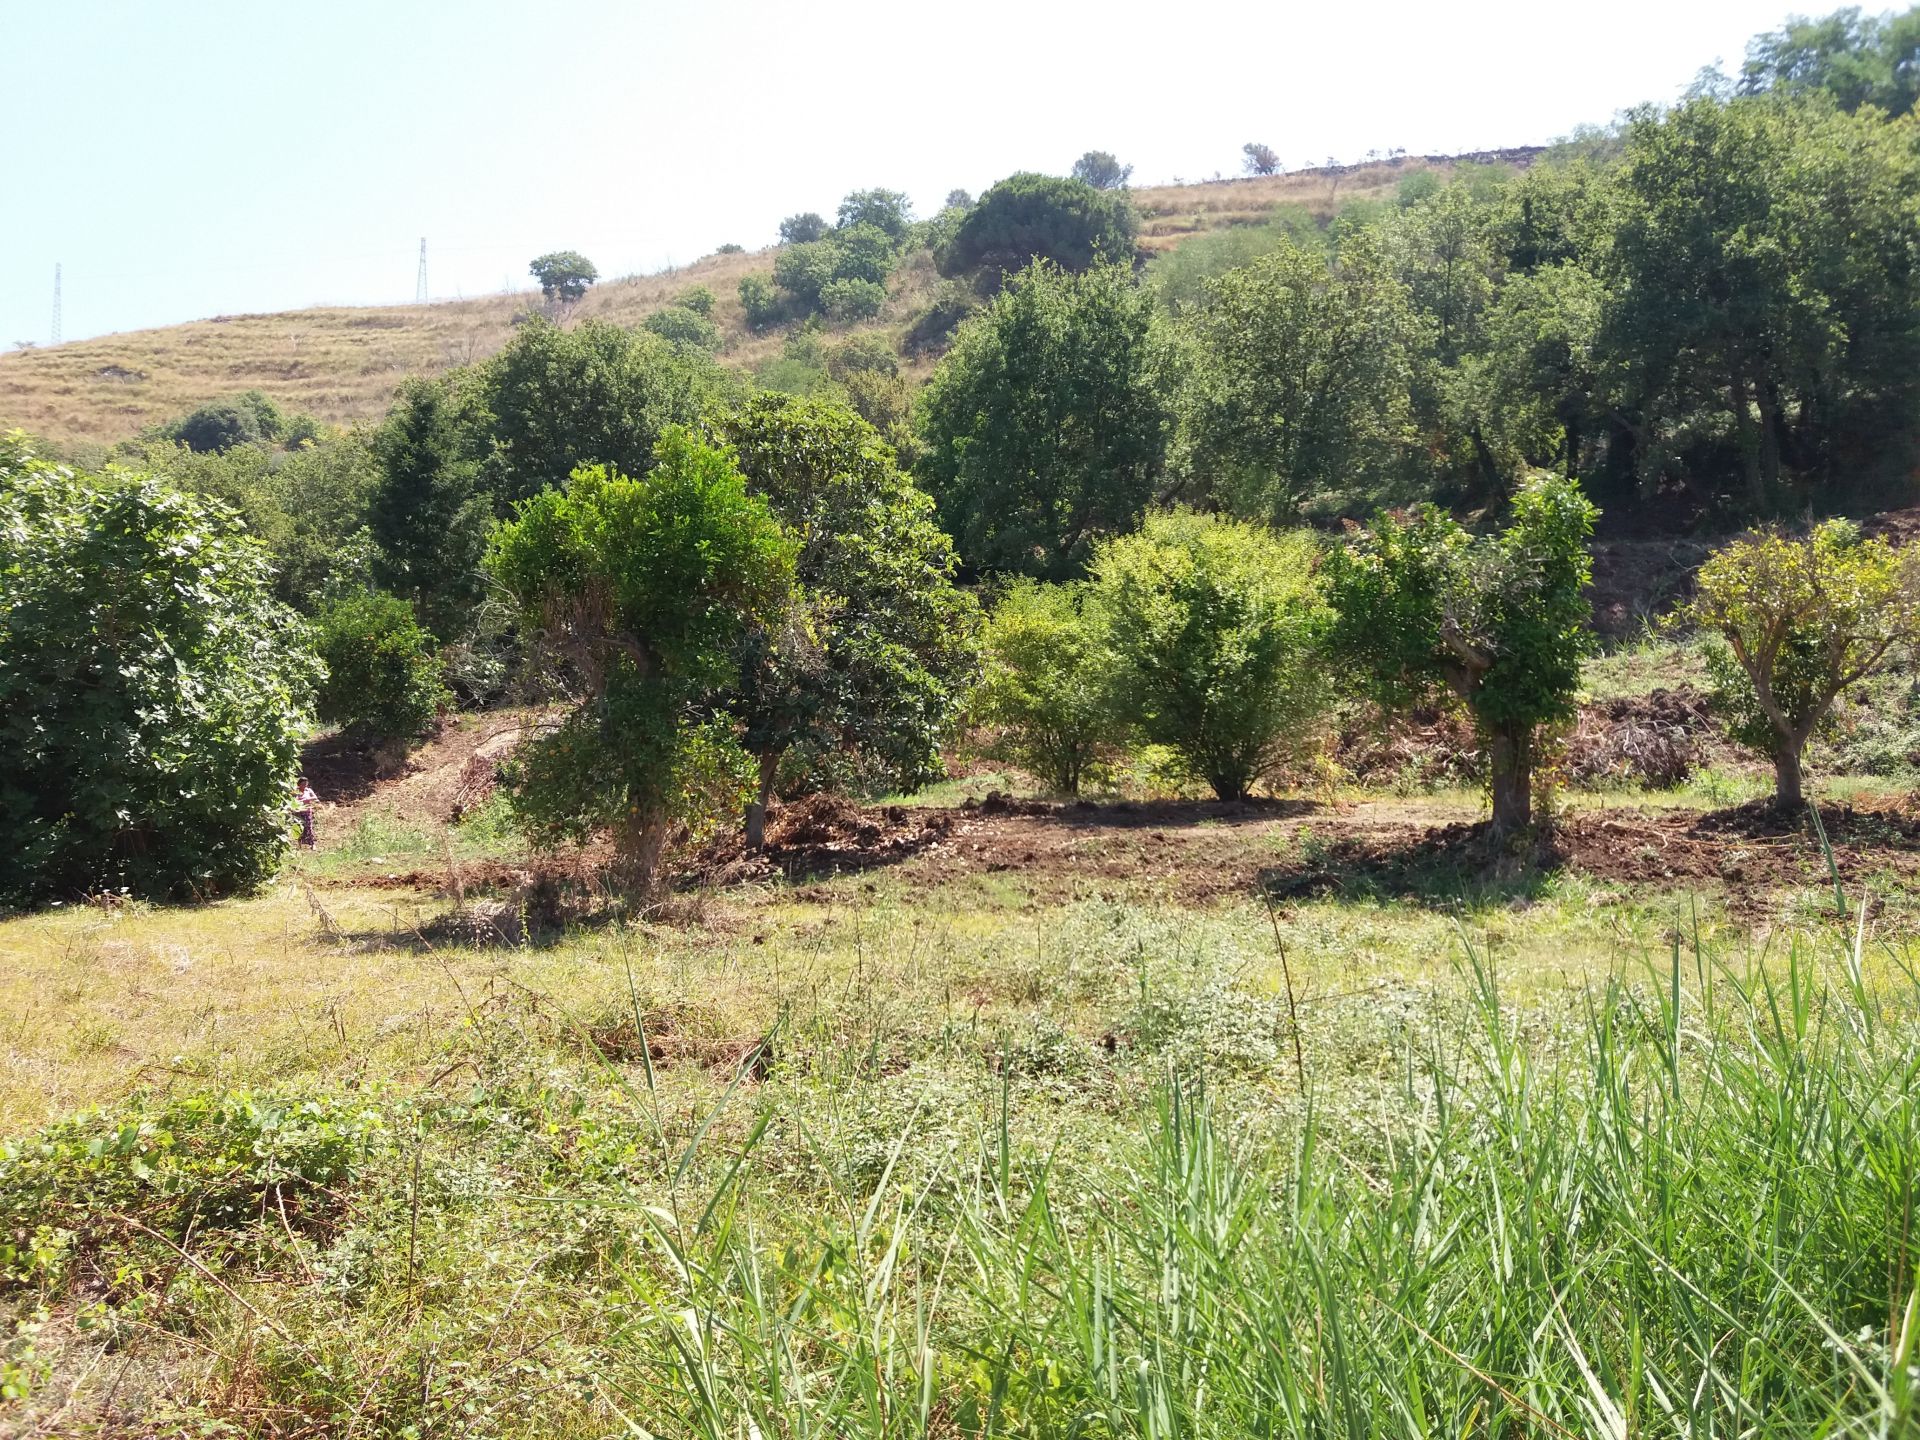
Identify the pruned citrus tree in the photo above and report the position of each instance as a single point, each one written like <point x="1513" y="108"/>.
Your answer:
<point x="1425" y="610"/>
<point x="642" y="590"/>
<point x="1801" y="620"/>
<point x="874" y="653"/>
<point x="1213" y="625"/>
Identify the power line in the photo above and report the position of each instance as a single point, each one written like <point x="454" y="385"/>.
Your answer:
<point x="420" y="285"/>
<point x="56" y="303"/>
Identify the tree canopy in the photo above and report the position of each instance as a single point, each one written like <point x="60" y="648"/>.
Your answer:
<point x="564" y="275"/>
<point x="1042" y="429"/>
<point x="1028" y="216"/>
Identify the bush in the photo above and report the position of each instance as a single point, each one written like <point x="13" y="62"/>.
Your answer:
<point x="249" y="419"/>
<point x="382" y="676"/>
<point x="761" y="302"/>
<point x="864" y="354"/>
<point x="152" y="691"/>
<point x="1214" y="625"/>
<point x="1047" y="693"/>
<point x="683" y="327"/>
<point x="697" y="298"/>
<point x="730" y="249"/>
<point x="862" y="252"/>
<point x="802" y="269"/>
<point x="1028" y="216"/>
<point x="933" y="328"/>
<point x="849" y="300"/>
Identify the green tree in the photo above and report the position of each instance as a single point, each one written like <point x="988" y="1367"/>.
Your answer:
<point x="1042" y="427"/>
<point x="1027" y="217"/>
<point x="644" y="588"/>
<point x="1423" y="609"/>
<point x="1762" y="290"/>
<point x="876" y="648"/>
<point x="152" y="690"/>
<point x="382" y="679"/>
<point x="554" y="400"/>
<point x="761" y="302"/>
<point x="1802" y="620"/>
<point x="1213" y="625"/>
<point x="885" y="210"/>
<point x="427" y="514"/>
<point x="802" y="229"/>
<point x="248" y="419"/>
<point x="1047" y="692"/>
<point x="1101" y="170"/>
<point x="1259" y="159"/>
<point x="846" y="301"/>
<point x="1296" y="378"/>
<point x="564" y="275"/>
<point x="697" y="298"/>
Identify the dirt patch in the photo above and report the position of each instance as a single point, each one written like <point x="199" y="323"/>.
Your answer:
<point x="444" y="779"/>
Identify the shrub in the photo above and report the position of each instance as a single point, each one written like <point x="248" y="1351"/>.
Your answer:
<point x="761" y="302"/>
<point x="862" y="252"/>
<point x="1800" y="621"/>
<point x="863" y="354"/>
<point x="1213" y="624"/>
<point x="1047" y="692"/>
<point x="250" y="419"/>
<point x="152" y="690"/>
<point x="802" y="269"/>
<point x="683" y="327"/>
<point x="730" y="249"/>
<point x="382" y="676"/>
<point x="933" y="327"/>
<point x="849" y="300"/>
<point x="1030" y="216"/>
<point x="697" y="298"/>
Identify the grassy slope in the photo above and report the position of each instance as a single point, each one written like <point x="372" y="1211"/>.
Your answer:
<point x="342" y="363"/>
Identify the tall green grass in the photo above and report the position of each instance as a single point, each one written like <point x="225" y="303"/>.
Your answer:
<point x="1686" y="1211"/>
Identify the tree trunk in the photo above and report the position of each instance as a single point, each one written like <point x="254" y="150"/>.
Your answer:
<point x="1510" y="762"/>
<point x="757" y="807"/>
<point x="639" y="845"/>
<point x="1787" y="792"/>
<point x="1767" y="395"/>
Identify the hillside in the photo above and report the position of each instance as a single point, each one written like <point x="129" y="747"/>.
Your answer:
<point x="342" y="363"/>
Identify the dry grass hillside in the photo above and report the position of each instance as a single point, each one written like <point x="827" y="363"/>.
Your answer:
<point x="341" y="364"/>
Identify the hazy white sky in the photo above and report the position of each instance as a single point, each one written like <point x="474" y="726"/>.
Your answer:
<point x="183" y="158"/>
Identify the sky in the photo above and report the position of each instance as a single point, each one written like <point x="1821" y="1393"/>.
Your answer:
<point x="186" y="158"/>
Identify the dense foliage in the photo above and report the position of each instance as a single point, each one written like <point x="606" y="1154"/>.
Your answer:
<point x="1802" y="622"/>
<point x="1043" y="429"/>
<point x="873" y="654"/>
<point x="1047" y="701"/>
<point x="427" y="512"/>
<point x="1423" y="610"/>
<point x="1213" y="627"/>
<point x="644" y="588"/>
<point x="152" y="690"/>
<point x="382" y="678"/>
<point x="556" y="399"/>
<point x="1027" y="217"/>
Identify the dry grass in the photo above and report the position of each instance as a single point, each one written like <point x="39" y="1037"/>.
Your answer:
<point x="342" y="364"/>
